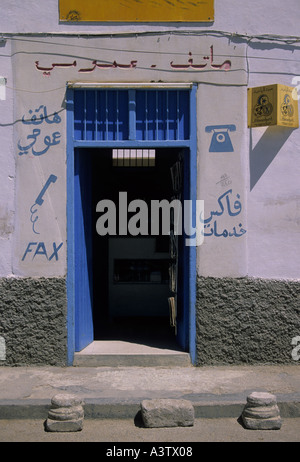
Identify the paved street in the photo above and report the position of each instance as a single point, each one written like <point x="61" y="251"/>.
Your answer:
<point x="126" y="430"/>
<point x="113" y="396"/>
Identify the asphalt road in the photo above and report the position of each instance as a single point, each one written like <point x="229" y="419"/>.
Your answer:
<point x="115" y="432"/>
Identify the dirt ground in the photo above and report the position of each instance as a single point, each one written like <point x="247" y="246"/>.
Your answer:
<point x="127" y="431"/>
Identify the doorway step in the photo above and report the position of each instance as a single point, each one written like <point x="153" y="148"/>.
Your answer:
<point x="113" y="353"/>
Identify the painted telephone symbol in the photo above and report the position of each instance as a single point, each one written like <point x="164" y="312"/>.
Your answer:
<point x="220" y="141"/>
<point x="39" y="201"/>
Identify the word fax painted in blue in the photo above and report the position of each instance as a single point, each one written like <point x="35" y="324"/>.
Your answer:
<point x="225" y="206"/>
<point x="33" y="141"/>
<point x="40" y="249"/>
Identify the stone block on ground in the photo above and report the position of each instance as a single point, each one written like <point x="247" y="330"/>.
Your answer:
<point x="261" y="412"/>
<point x="158" y="413"/>
<point x="75" y="425"/>
<point x="66" y="414"/>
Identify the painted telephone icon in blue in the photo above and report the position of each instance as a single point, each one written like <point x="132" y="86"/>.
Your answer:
<point x="220" y="141"/>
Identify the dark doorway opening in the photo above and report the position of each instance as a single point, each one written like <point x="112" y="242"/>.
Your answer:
<point x="130" y="275"/>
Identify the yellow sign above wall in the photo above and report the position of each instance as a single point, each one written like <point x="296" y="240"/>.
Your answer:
<point x="136" y="10"/>
<point x="272" y="105"/>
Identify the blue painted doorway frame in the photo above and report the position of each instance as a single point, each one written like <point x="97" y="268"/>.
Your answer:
<point x="81" y="134"/>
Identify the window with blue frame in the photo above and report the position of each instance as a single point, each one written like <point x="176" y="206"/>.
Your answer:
<point x="142" y="115"/>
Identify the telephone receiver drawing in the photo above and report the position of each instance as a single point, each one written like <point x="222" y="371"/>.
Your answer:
<point x="220" y="141"/>
<point x="39" y="201"/>
<point x="52" y="179"/>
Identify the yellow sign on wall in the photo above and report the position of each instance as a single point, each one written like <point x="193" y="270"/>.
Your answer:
<point x="136" y="10"/>
<point x="272" y="105"/>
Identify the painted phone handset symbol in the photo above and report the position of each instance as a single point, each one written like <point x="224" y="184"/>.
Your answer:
<point x="52" y="179"/>
<point x="39" y="201"/>
<point x="220" y="141"/>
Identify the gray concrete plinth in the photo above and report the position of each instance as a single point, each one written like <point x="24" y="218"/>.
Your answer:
<point x="66" y="414"/>
<point x="261" y="412"/>
<point x="273" y="423"/>
<point x="63" y="413"/>
<point x="64" y="426"/>
<point x="167" y="413"/>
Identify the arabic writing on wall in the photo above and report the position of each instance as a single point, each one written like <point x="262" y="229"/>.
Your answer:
<point x="208" y="63"/>
<point x="211" y="225"/>
<point x="37" y="144"/>
<point x="39" y="116"/>
<point x="225" y="180"/>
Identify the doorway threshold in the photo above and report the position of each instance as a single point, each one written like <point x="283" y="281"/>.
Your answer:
<point x="113" y="353"/>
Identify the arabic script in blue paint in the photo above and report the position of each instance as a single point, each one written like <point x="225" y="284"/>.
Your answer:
<point x="232" y="210"/>
<point x="38" y="117"/>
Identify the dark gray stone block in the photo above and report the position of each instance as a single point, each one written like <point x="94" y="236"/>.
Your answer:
<point x="167" y="413"/>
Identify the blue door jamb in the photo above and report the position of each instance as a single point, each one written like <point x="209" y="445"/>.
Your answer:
<point x="192" y="266"/>
<point x="191" y="251"/>
<point x="70" y="229"/>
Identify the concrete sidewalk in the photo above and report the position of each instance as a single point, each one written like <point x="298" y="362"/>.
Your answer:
<point x="116" y="392"/>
